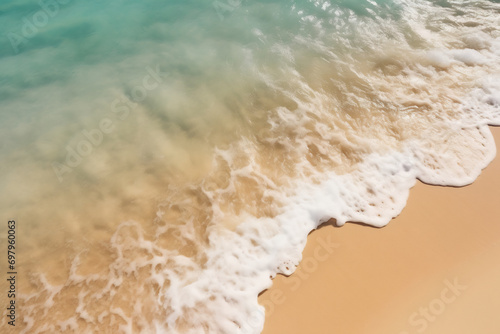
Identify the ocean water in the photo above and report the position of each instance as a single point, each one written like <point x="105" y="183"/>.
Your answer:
<point x="165" y="159"/>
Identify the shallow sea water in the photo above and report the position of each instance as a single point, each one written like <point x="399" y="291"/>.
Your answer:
<point x="164" y="159"/>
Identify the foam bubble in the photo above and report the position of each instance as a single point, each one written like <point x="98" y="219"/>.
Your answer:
<point x="469" y="57"/>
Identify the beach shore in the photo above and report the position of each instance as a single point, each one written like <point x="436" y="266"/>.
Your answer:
<point x="434" y="269"/>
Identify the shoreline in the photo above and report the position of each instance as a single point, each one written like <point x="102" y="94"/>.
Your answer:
<point x="431" y="269"/>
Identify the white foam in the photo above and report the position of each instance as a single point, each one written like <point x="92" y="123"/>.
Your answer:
<point x="216" y="291"/>
<point x="241" y="262"/>
<point x="377" y="191"/>
<point x="439" y="59"/>
<point x="469" y="57"/>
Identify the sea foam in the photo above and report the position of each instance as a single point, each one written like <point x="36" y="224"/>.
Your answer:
<point x="333" y="117"/>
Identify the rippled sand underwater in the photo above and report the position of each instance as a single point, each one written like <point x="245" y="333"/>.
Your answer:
<point x="165" y="159"/>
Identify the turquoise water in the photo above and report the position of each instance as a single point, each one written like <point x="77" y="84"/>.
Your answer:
<point x="146" y="144"/>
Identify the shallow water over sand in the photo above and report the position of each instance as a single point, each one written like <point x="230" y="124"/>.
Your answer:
<point x="164" y="159"/>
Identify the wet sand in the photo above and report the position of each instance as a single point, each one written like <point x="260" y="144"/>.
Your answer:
<point x="434" y="269"/>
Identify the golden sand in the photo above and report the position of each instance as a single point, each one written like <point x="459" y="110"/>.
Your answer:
<point x="434" y="269"/>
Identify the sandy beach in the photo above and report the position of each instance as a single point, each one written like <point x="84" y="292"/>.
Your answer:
<point x="162" y="161"/>
<point x="434" y="269"/>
